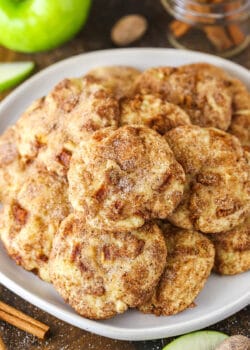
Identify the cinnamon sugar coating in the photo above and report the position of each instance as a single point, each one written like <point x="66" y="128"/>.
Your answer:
<point x="217" y="191"/>
<point x="11" y="167"/>
<point x="55" y="124"/>
<point x="152" y="111"/>
<point x="31" y="219"/>
<point x="120" y="178"/>
<point x="101" y="273"/>
<point x="189" y="263"/>
<point x="119" y="79"/>
<point x="203" y="94"/>
<point x="232" y="250"/>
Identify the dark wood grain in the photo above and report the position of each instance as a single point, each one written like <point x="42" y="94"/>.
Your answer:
<point x="96" y="36"/>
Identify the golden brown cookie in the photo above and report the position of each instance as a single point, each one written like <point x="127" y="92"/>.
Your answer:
<point x="101" y="273"/>
<point x="203" y="94"/>
<point x="120" y="178"/>
<point x="232" y="250"/>
<point x="31" y="219"/>
<point x="189" y="263"/>
<point x="11" y="167"/>
<point x="217" y="192"/>
<point x="240" y="125"/>
<point x="52" y="127"/>
<point x="120" y="79"/>
<point x="152" y="111"/>
<point x="34" y="126"/>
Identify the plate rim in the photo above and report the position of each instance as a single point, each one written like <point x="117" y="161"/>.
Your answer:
<point x="92" y="325"/>
<point x="137" y="335"/>
<point x="125" y="334"/>
<point x="236" y="67"/>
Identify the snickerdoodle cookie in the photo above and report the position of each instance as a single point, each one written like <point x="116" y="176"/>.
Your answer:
<point x="120" y="178"/>
<point x="189" y="263"/>
<point x="101" y="273"/>
<point x="203" y="94"/>
<point x="217" y="191"/>
<point x="31" y="219"/>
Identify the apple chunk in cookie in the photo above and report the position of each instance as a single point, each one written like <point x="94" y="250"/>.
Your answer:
<point x="102" y="273"/>
<point x="217" y="191"/>
<point x="120" y="178"/>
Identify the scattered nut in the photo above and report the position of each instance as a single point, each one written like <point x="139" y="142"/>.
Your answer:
<point x="236" y="342"/>
<point x="128" y="29"/>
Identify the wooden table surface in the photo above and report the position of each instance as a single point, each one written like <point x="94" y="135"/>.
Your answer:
<point x="96" y="36"/>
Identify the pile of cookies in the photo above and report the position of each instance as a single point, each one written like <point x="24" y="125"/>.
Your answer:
<point x="125" y="188"/>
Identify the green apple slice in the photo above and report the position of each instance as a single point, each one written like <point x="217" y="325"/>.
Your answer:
<point x="202" y="340"/>
<point x="12" y="74"/>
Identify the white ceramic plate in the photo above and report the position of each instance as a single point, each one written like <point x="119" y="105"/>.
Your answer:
<point x="221" y="297"/>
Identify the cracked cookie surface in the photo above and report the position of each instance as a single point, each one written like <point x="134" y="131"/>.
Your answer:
<point x="217" y="190"/>
<point x="102" y="273"/>
<point x="201" y="93"/>
<point x="232" y="250"/>
<point x="31" y="219"/>
<point x="120" y="79"/>
<point x="152" y="111"/>
<point x="120" y="178"/>
<point x="53" y="126"/>
<point x="189" y="263"/>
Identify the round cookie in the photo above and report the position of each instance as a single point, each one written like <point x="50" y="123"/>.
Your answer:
<point x="31" y="219"/>
<point x="240" y="123"/>
<point x="120" y="178"/>
<point x="101" y="273"/>
<point x="189" y="263"/>
<point x="203" y="94"/>
<point x="120" y="79"/>
<point x="232" y="250"/>
<point x="152" y="111"/>
<point x="217" y="191"/>
<point x="54" y="125"/>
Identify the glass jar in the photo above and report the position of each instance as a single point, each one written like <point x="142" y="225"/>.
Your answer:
<point x="214" y="26"/>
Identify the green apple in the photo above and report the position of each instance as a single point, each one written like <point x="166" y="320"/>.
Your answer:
<point x="38" y="25"/>
<point x="202" y="340"/>
<point x="12" y="74"/>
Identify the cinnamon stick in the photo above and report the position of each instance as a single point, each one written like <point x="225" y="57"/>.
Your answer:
<point x="218" y="37"/>
<point x="234" y="30"/>
<point x="22" y="321"/>
<point x="2" y="346"/>
<point x="179" y="28"/>
<point x="236" y="34"/>
<point x="222" y="38"/>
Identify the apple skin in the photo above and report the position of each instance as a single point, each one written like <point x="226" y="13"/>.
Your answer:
<point x="39" y="25"/>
